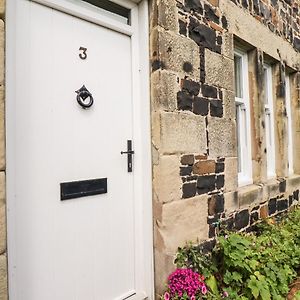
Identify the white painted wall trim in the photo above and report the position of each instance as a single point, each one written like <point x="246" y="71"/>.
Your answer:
<point x="139" y="33"/>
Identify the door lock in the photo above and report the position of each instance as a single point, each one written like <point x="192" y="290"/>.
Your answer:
<point x="129" y="153"/>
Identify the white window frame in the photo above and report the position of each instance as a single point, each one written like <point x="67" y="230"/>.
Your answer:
<point x="243" y="123"/>
<point x="269" y="122"/>
<point x="289" y="124"/>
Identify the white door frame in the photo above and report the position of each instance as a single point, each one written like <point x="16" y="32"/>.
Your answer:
<point x="139" y="33"/>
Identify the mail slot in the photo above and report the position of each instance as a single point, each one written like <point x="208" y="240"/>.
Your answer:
<point x="83" y="188"/>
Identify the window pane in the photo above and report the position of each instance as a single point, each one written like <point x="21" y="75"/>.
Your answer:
<point x="238" y="76"/>
<point x="118" y="12"/>
<point x="266" y="86"/>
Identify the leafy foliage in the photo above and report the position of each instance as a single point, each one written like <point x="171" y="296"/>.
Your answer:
<point x="249" y="266"/>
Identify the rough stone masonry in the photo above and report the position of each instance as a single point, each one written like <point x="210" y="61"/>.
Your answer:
<point x="194" y="146"/>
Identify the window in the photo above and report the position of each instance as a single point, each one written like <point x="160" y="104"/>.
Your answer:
<point x="289" y="124"/>
<point x="269" y="121"/>
<point x="242" y="118"/>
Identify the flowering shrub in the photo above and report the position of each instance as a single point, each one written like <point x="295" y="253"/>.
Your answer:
<point x="256" y="266"/>
<point x="185" y="284"/>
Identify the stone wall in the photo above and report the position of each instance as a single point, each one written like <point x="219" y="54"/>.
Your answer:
<point x="195" y="184"/>
<point x="3" y="257"/>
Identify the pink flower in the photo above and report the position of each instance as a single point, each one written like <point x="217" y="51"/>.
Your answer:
<point x="225" y="294"/>
<point x="185" y="281"/>
<point x="203" y="290"/>
<point x="193" y="298"/>
<point x="166" y="296"/>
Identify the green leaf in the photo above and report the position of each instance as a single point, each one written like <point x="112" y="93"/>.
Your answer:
<point x="212" y="284"/>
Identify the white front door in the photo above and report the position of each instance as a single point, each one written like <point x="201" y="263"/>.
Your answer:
<point x="74" y="215"/>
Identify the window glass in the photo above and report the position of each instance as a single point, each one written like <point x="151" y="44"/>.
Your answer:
<point x="118" y="12"/>
<point x="243" y="132"/>
<point x="238" y="76"/>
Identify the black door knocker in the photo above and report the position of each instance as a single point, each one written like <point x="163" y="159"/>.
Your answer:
<point x="82" y="95"/>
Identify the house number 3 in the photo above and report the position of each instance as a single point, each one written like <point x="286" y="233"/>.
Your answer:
<point x="83" y="54"/>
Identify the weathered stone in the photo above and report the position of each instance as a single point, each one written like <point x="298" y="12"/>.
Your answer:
<point x="204" y="167"/>
<point x="2" y="41"/>
<point x="220" y="181"/>
<point x="216" y="108"/>
<point x="282" y="205"/>
<point x="164" y="88"/>
<point x="215" y="204"/>
<point x="184" y="100"/>
<point x="166" y="179"/>
<point x="206" y="184"/>
<point x="191" y="86"/>
<point x="297" y="43"/>
<point x="221" y="137"/>
<point x="254" y="217"/>
<point x="201" y="34"/>
<point x="210" y="14"/>
<point x="2" y="229"/>
<point x="176" y="51"/>
<point x="250" y="195"/>
<point x="212" y="231"/>
<point x="227" y="45"/>
<point x="219" y="70"/>
<point x="200" y="106"/>
<point x="214" y="2"/>
<point x="229" y="104"/>
<point x="186" y="171"/>
<point x="194" y="5"/>
<point x="231" y="174"/>
<point x="209" y="91"/>
<point x="189" y="190"/>
<point x="220" y="167"/>
<point x="242" y="219"/>
<point x="187" y="159"/>
<point x="167" y="15"/>
<point x="296" y="195"/>
<point x="183" y="221"/>
<point x="282" y="186"/>
<point x="182" y="27"/>
<point x="2" y="123"/>
<point x="272" y="205"/>
<point x="231" y="202"/>
<point x="163" y="267"/>
<point x="263" y="212"/>
<point x="229" y="223"/>
<point x="3" y="278"/>
<point x="174" y="137"/>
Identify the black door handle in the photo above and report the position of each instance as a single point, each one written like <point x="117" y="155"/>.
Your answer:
<point x="129" y="153"/>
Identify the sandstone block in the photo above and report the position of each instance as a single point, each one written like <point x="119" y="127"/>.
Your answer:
<point x="219" y="70"/>
<point x="204" y="167"/>
<point x="229" y="104"/>
<point x="163" y="266"/>
<point x="221" y="138"/>
<point x="2" y="188"/>
<point x="3" y="278"/>
<point x="183" y="221"/>
<point x="2" y="228"/>
<point x="231" y="174"/>
<point x="178" y="54"/>
<point x="166" y="180"/>
<point x="231" y="202"/>
<point x="250" y="195"/>
<point x="182" y="133"/>
<point x="164" y="89"/>
<point x="2" y="125"/>
<point x="227" y="47"/>
<point x="168" y="15"/>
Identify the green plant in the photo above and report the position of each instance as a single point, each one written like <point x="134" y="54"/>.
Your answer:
<point x="249" y="266"/>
